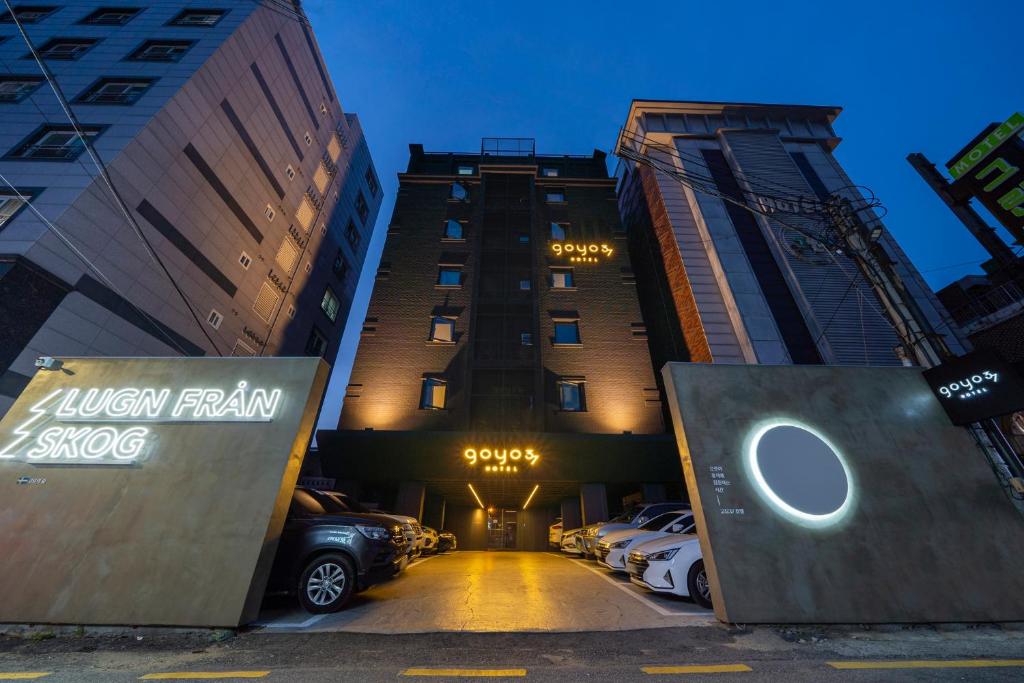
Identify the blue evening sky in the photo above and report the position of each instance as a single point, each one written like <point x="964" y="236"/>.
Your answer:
<point x="910" y="77"/>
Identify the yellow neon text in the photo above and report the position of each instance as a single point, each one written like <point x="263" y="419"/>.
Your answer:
<point x="503" y="458"/>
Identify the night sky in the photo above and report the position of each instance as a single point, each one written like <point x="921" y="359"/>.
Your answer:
<point x="910" y="77"/>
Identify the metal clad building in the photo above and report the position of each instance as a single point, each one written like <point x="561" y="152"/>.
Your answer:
<point x="221" y="130"/>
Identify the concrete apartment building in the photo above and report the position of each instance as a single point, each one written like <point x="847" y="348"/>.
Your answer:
<point x="504" y="324"/>
<point x="221" y="131"/>
<point x="721" y="284"/>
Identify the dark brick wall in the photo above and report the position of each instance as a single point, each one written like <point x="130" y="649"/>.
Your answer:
<point x="1007" y="338"/>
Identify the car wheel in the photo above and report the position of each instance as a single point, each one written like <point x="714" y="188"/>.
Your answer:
<point x="326" y="584"/>
<point x="697" y="583"/>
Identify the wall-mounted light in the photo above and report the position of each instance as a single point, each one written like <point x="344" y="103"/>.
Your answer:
<point x="473" y="491"/>
<point x="530" y="497"/>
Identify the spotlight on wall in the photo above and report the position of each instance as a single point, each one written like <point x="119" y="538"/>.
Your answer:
<point x="530" y="497"/>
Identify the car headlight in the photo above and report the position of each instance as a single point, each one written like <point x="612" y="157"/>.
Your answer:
<point x="374" y="533"/>
<point x="620" y="544"/>
<point x="663" y="555"/>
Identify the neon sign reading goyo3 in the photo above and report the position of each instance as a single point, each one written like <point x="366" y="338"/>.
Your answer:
<point x="586" y="252"/>
<point x="501" y="456"/>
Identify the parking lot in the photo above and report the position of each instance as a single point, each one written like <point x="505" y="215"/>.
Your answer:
<point x="495" y="591"/>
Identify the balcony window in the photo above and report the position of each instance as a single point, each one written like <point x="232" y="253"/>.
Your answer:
<point x="10" y="205"/>
<point x="567" y="332"/>
<point x="330" y="305"/>
<point x="558" y="231"/>
<point x="449" y="276"/>
<point x="316" y="345"/>
<point x="161" y="51"/>
<point x="352" y="234"/>
<point x="116" y="91"/>
<point x="54" y="143"/>
<point x="434" y="393"/>
<point x="554" y="196"/>
<point x="65" y="49"/>
<point x="28" y="14"/>
<point x="459" y="192"/>
<point x="453" y="230"/>
<point x="562" y="278"/>
<point x="198" y="17"/>
<point x="570" y="396"/>
<point x="362" y="208"/>
<point x="442" y="330"/>
<point x="16" y="88"/>
<point x="111" y="16"/>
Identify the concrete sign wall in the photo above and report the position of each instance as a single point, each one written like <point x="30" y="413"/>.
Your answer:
<point x="150" y="491"/>
<point x="841" y="495"/>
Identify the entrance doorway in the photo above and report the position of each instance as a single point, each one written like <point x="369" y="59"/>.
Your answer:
<point x="501" y="529"/>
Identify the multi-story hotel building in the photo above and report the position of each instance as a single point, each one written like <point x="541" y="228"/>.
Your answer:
<point x="503" y="374"/>
<point x="249" y="196"/>
<point x="723" y="284"/>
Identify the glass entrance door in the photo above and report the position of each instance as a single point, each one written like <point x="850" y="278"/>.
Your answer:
<point x="501" y="529"/>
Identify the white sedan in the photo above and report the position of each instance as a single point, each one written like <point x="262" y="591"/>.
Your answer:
<point x="671" y="564"/>
<point x="568" y="542"/>
<point x="612" y="550"/>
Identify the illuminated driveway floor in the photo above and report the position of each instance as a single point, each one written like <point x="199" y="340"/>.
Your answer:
<point x="496" y="591"/>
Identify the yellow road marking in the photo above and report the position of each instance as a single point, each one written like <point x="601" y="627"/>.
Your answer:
<point x="23" y="675"/>
<point x="696" y="669"/>
<point x="473" y="673"/>
<point x="929" y="664"/>
<point x="202" y="675"/>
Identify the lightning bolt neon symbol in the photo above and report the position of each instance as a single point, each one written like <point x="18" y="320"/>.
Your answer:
<point x="24" y="430"/>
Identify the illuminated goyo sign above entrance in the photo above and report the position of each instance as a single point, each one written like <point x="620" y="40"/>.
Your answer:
<point x="501" y="459"/>
<point x="585" y="252"/>
<point x="105" y="426"/>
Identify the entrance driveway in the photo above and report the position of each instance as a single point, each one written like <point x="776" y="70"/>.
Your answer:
<point x="496" y="591"/>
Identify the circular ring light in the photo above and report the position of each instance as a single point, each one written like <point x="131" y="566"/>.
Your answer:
<point x="800" y="473"/>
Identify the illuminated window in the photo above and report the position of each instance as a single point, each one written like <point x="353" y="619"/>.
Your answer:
<point x="524" y="285"/>
<point x="449" y="276"/>
<point x="198" y="17"/>
<point x="434" y="393"/>
<point x="330" y="305"/>
<point x="524" y="238"/>
<point x="442" y="329"/>
<point x="570" y="396"/>
<point x="453" y="230"/>
<point x="549" y="172"/>
<point x="465" y="170"/>
<point x="558" y="231"/>
<point x="562" y="278"/>
<point x="526" y="338"/>
<point x="458" y="191"/>
<point x="567" y="331"/>
<point x="554" y="196"/>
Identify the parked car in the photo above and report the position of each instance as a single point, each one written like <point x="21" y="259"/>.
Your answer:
<point x="671" y="564"/>
<point x="429" y="540"/>
<point x="568" y="543"/>
<point x="630" y="519"/>
<point x="326" y="553"/>
<point x="446" y="542"/>
<point x="615" y="546"/>
<point x="410" y="525"/>
<point x="555" y="534"/>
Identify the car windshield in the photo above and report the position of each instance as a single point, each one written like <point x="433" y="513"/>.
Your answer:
<point x="316" y="502"/>
<point x="686" y="526"/>
<point x="660" y="522"/>
<point x="346" y="501"/>
<point x="625" y="517"/>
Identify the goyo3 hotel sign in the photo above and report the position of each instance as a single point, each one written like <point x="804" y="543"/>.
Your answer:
<point x="108" y="426"/>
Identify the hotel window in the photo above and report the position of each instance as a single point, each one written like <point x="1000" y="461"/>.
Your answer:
<point x="340" y="265"/>
<point x="554" y="196"/>
<point x="28" y="14"/>
<point x="442" y="329"/>
<point x="434" y="393"/>
<point x="53" y="143"/>
<point x="10" y="205"/>
<point x="161" y="51"/>
<point x="454" y="230"/>
<point x="459" y="192"/>
<point x="308" y="138"/>
<point x="558" y="231"/>
<point x="290" y="312"/>
<point x="287" y="256"/>
<point x="316" y="345"/>
<point x="17" y="88"/>
<point x="352" y="235"/>
<point x="215" y="319"/>
<point x="464" y="170"/>
<point x="449" y="276"/>
<point x="65" y="48"/>
<point x="562" y="278"/>
<point x="111" y="16"/>
<point x="269" y="212"/>
<point x="567" y="331"/>
<point x="570" y="396"/>
<point x="549" y="172"/>
<point x="116" y="91"/>
<point x="290" y="172"/>
<point x="371" y="181"/>
<point x="245" y="260"/>
<point x="330" y="305"/>
<point x="362" y="208"/>
<point x="198" y="17"/>
<point x="524" y="285"/>
<point x="524" y="238"/>
<point x="526" y="338"/>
